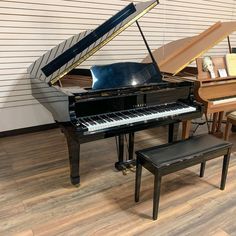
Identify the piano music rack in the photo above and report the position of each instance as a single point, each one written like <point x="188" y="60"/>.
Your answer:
<point x="218" y="62"/>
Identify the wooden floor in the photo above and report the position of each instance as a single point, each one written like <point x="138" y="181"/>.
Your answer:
<point x="36" y="197"/>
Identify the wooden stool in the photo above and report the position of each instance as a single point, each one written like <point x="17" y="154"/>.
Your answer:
<point x="231" y="120"/>
<point x="168" y="158"/>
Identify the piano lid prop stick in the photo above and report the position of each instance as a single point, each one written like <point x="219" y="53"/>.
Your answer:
<point x="149" y="50"/>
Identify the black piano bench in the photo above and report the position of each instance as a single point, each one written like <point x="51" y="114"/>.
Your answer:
<point x="168" y="158"/>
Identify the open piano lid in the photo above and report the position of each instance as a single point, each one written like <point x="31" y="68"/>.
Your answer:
<point x="57" y="62"/>
<point x="175" y="56"/>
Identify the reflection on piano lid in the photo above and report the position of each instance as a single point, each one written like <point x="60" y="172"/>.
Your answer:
<point x="72" y="52"/>
<point x="124" y="74"/>
<point x="88" y="40"/>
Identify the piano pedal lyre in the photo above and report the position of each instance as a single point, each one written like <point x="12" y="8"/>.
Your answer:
<point x="124" y="169"/>
<point x="129" y="166"/>
<point x="120" y="166"/>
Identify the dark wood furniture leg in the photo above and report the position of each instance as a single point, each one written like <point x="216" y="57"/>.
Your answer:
<point x="202" y="169"/>
<point x="74" y="158"/>
<point x="225" y="170"/>
<point x="156" y="194"/>
<point x="138" y="179"/>
<point x="165" y="159"/>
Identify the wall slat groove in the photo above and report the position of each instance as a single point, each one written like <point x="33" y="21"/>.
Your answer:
<point x="30" y="28"/>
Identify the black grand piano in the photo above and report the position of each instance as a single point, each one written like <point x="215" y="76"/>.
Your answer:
<point x="124" y="97"/>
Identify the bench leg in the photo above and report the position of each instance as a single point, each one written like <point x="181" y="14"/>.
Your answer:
<point x="202" y="169"/>
<point x="225" y="170"/>
<point x="156" y="195"/>
<point x="138" y="179"/>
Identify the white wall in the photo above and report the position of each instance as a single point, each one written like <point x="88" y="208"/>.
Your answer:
<point x="29" y="28"/>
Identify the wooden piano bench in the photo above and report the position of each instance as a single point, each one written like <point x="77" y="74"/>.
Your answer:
<point x="169" y="158"/>
<point x="231" y="120"/>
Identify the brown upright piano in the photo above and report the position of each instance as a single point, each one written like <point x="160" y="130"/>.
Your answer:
<point x="218" y="95"/>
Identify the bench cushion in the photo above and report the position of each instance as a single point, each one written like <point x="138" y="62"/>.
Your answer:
<point x="182" y="150"/>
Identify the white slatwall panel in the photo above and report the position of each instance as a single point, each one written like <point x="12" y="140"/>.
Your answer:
<point x="29" y="28"/>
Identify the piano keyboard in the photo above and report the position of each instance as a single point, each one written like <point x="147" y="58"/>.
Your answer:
<point x="127" y="117"/>
<point x="224" y="100"/>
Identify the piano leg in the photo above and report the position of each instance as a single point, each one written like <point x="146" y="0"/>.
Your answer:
<point x="216" y="124"/>
<point x="74" y="156"/>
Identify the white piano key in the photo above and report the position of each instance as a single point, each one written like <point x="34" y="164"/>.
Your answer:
<point x="224" y="100"/>
<point x="126" y="120"/>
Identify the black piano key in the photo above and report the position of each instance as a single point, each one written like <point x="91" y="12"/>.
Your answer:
<point x="125" y="113"/>
<point x="121" y="115"/>
<point x="131" y="114"/>
<point x="153" y="111"/>
<point x="105" y="118"/>
<point x="99" y="120"/>
<point x="110" y="119"/>
<point x="83" y="122"/>
<point x="138" y="113"/>
<point x="114" y="116"/>
<point x="91" y="121"/>
<point x="147" y="111"/>
<point x="88" y="121"/>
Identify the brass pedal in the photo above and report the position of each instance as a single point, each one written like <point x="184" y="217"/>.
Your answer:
<point x="125" y="171"/>
<point x="132" y="168"/>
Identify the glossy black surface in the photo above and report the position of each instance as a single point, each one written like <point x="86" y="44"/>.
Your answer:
<point x="88" y="40"/>
<point x="125" y="74"/>
<point x="96" y="102"/>
<point x="113" y="100"/>
<point x="124" y="101"/>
